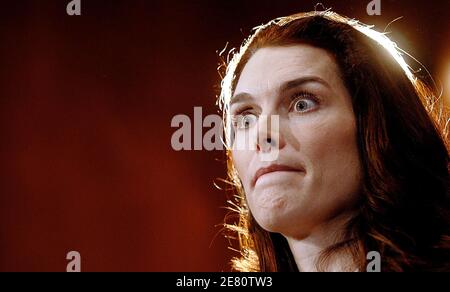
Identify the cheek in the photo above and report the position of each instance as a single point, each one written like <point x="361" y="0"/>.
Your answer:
<point x="242" y="153"/>
<point x="330" y="148"/>
<point x="331" y="137"/>
<point x="241" y="160"/>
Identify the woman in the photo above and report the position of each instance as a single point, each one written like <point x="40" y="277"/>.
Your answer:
<point x="361" y="150"/>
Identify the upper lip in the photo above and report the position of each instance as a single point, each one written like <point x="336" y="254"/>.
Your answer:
<point x="273" y="168"/>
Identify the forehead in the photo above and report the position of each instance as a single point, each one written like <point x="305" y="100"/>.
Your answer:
<point x="270" y="67"/>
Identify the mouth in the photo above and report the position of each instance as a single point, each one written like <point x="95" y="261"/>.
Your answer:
<point x="273" y="168"/>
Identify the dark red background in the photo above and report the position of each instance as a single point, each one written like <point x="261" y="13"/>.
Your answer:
<point x="86" y="104"/>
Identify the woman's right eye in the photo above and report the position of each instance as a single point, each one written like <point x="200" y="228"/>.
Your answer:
<point x="245" y="120"/>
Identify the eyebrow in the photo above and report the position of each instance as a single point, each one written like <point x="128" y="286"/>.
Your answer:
<point x="284" y="87"/>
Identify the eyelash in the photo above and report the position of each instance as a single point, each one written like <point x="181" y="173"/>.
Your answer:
<point x="242" y="111"/>
<point x="295" y="97"/>
<point x="303" y="95"/>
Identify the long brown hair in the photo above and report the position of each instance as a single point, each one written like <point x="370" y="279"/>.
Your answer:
<point x="403" y="145"/>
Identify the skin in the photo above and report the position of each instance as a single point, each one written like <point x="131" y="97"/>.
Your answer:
<point x="316" y="137"/>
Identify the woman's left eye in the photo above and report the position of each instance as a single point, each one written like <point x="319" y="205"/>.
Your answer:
<point x="304" y="102"/>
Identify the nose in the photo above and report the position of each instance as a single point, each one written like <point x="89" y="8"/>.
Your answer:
<point x="270" y="136"/>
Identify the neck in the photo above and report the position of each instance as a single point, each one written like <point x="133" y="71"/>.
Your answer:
<point x="307" y="249"/>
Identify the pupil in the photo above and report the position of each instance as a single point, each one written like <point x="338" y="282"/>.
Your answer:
<point x="301" y="105"/>
<point x="246" y="121"/>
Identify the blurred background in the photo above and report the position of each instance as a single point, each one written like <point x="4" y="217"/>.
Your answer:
<point x="86" y="104"/>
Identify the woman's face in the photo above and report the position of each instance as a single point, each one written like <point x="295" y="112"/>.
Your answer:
<point x="315" y="174"/>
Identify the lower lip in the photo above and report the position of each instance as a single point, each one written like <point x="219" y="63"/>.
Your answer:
<point x="276" y="176"/>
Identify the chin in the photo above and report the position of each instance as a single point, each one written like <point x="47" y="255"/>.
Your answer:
<point x="274" y="220"/>
<point x="270" y="199"/>
<point x="271" y="224"/>
<point x="280" y="211"/>
<point x="285" y="222"/>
